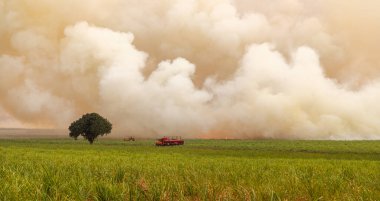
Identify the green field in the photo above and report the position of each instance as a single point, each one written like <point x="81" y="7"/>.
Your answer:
<point x="64" y="169"/>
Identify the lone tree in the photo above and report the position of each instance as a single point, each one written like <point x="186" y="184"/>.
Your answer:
<point x="90" y="126"/>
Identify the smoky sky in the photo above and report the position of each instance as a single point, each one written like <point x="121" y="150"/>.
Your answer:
<point x="289" y="69"/>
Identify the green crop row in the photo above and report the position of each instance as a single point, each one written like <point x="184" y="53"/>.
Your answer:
<point x="200" y="170"/>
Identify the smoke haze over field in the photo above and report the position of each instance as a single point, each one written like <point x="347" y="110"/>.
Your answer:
<point x="297" y="69"/>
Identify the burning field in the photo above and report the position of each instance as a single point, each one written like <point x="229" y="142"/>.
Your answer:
<point x="271" y="100"/>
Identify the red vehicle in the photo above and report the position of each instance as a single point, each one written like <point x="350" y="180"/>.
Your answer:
<point x="170" y="141"/>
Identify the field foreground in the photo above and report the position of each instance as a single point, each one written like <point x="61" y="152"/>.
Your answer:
<point x="64" y="169"/>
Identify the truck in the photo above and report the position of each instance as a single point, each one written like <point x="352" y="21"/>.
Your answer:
<point x="170" y="141"/>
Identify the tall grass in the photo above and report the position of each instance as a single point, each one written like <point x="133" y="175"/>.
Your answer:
<point x="200" y="170"/>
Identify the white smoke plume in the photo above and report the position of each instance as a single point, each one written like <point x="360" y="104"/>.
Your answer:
<point x="290" y="69"/>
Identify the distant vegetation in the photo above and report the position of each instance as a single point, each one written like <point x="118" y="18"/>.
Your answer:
<point x="90" y="126"/>
<point x="60" y="169"/>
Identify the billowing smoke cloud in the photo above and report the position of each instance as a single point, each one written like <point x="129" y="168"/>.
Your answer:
<point x="238" y="69"/>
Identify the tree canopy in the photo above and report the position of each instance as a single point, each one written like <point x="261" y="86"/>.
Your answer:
<point x="90" y="126"/>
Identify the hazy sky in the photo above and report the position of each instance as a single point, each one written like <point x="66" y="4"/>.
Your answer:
<point x="297" y="69"/>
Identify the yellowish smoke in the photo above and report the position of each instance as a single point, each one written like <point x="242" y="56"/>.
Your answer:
<point x="226" y="69"/>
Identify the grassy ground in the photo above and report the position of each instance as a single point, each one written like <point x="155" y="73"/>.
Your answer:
<point x="64" y="169"/>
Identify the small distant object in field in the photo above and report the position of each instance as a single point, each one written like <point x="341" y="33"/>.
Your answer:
<point x="170" y="141"/>
<point x="131" y="138"/>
